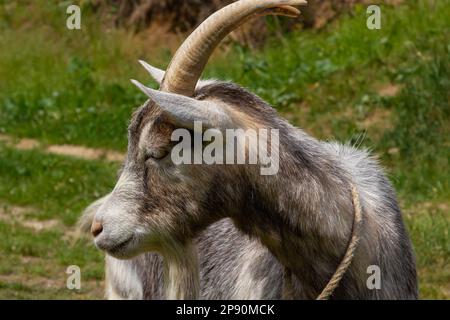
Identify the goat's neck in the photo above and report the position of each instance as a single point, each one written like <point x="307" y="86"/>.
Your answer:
<point x="181" y="272"/>
<point x="311" y="185"/>
<point x="305" y="208"/>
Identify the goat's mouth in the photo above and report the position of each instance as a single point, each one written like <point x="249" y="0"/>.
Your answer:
<point x="122" y="244"/>
<point x="121" y="250"/>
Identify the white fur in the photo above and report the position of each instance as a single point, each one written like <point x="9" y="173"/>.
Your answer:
<point x="119" y="217"/>
<point x="246" y="286"/>
<point x="122" y="280"/>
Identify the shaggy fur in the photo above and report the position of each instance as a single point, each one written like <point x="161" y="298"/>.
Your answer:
<point x="232" y="266"/>
<point x="303" y="215"/>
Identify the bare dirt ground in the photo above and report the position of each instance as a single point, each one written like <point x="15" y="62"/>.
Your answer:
<point x="80" y="152"/>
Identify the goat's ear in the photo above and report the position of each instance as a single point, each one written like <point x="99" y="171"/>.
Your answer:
<point x="182" y="111"/>
<point x="158" y="75"/>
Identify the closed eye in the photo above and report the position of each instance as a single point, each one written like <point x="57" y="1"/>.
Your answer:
<point x="156" y="154"/>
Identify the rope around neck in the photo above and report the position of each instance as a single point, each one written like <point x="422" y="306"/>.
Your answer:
<point x="349" y="254"/>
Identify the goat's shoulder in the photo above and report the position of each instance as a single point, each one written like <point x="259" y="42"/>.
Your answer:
<point x="360" y="164"/>
<point x="355" y="160"/>
<point x="368" y="175"/>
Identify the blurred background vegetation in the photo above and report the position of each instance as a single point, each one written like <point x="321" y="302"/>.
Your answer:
<point x="66" y="99"/>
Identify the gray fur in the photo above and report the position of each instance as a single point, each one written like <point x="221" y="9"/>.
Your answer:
<point x="222" y="252"/>
<point x="303" y="215"/>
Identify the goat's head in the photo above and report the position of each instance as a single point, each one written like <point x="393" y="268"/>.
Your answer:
<point x="156" y="202"/>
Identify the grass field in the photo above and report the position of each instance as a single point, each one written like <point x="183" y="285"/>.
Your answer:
<point x="388" y="90"/>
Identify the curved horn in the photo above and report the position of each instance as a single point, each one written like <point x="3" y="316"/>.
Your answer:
<point x="190" y="59"/>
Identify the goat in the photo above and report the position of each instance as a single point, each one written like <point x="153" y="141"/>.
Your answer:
<point x="303" y="215"/>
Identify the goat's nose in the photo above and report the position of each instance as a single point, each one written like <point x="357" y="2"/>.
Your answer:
<point x="96" y="228"/>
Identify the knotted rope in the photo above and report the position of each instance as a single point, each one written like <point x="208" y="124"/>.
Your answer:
<point x="349" y="254"/>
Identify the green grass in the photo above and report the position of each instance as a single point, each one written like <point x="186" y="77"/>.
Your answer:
<point x="36" y="263"/>
<point x="20" y="241"/>
<point x="60" y="187"/>
<point x="50" y="187"/>
<point x="73" y="87"/>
